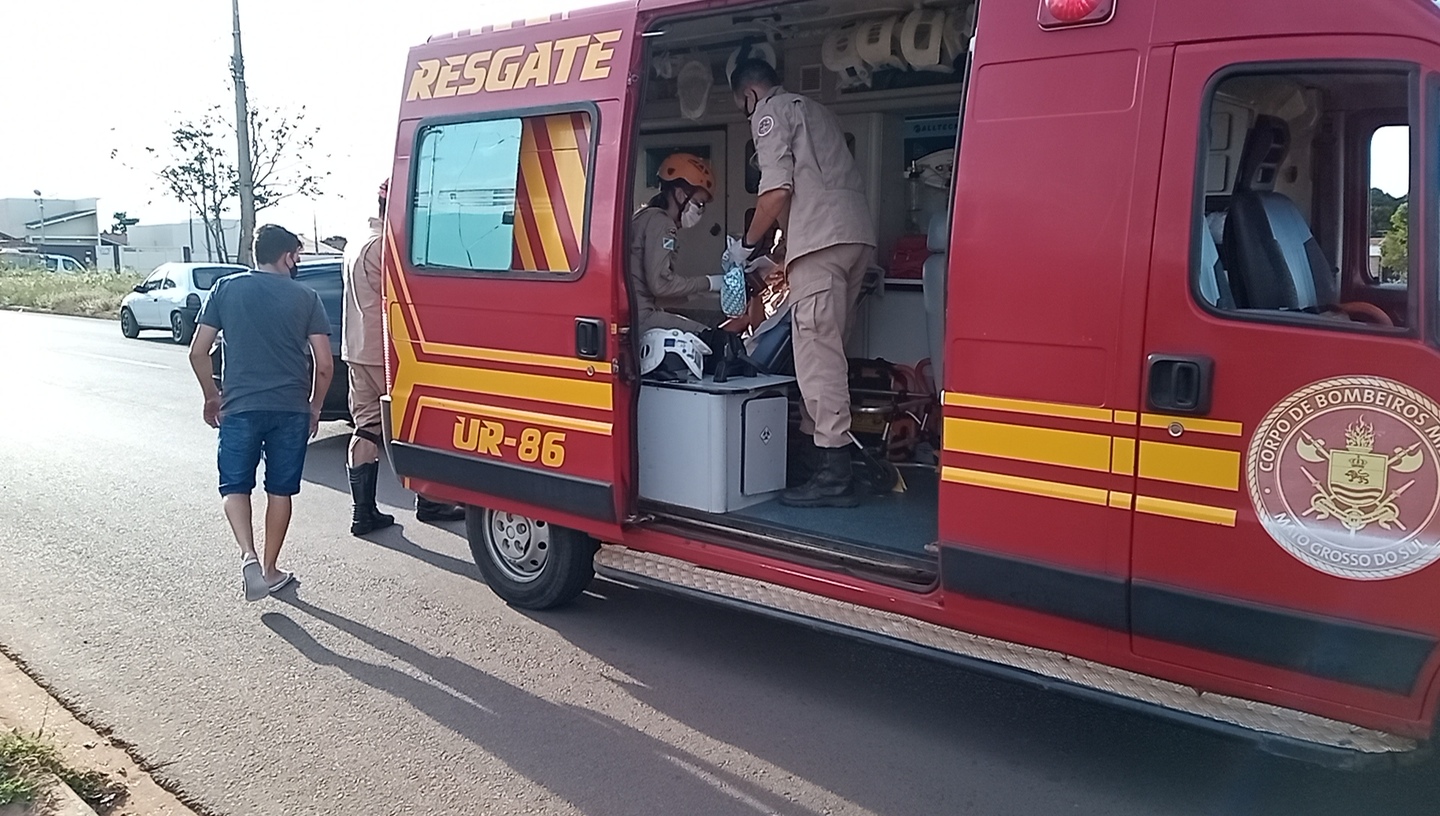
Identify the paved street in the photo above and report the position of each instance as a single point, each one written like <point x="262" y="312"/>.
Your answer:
<point x="397" y="683"/>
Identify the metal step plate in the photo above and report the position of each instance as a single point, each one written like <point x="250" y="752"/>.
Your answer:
<point x="621" y="563"/>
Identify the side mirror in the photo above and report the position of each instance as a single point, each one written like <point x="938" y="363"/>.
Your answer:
<point x="139" y="288"/>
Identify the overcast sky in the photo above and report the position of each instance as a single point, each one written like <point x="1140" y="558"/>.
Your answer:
<point x="85" y="77"/>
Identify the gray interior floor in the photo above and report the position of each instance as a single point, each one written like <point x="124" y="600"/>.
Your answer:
<point x="900" y="522"/>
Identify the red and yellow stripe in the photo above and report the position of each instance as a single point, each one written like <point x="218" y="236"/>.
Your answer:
<point x="550" y="193"/>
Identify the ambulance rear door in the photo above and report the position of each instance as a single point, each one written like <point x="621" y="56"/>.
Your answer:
<point x="503" y="254"/>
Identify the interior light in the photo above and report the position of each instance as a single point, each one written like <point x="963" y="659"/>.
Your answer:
<point x="1064" y="13"/>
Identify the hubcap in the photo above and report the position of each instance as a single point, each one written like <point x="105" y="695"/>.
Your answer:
<point x="175" y="329"/>
<point x="519" y="546"/>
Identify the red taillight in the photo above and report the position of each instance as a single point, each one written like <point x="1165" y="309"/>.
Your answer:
<point x="1062" y="13"/>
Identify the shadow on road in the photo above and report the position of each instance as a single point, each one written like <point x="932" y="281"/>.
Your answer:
<point x="596" y="763"/>
<point x="325" y="467"/>
<point x="757" y="683"/>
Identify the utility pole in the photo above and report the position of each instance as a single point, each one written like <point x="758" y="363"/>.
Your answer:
<point x="40" y="197"/>
<point x="242" y="135"/>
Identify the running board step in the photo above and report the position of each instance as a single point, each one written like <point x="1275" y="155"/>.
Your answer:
<point x="1278" y="730"/>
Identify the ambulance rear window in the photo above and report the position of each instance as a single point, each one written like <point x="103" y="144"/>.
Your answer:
<point x="502" y="195"/>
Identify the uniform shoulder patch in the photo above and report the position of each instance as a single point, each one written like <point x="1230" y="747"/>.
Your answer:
<point x="765" y="125"/>
<point x="669" y="242"/>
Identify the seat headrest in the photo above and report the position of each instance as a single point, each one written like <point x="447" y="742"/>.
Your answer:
<point x="1265" y="149"/>
<point x="937" y="237"/>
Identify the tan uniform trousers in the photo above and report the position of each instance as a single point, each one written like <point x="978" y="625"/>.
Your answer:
<point x="825" y="287"/>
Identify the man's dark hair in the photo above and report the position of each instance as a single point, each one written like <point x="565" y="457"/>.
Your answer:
<point x="272" y="242"/>
<point x="753" y="71"/>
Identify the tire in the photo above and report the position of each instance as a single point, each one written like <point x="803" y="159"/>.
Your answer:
<point x="128" y="325"/>
<point x="181" y="329"/>
<point x="530" y="564"/>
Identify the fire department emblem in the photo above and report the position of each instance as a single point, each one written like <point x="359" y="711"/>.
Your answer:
<point x="1345" y="476"/>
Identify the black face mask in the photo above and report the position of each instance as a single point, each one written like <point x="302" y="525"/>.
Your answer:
<point x="294" y="269"/>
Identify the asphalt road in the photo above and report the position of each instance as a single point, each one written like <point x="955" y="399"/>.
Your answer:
<point x="397" y="683"/>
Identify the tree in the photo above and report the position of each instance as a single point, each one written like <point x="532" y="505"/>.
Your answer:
<point x="1382" y="207"/>
<point x="123" y="223"/>
<point x="200" y="171"/>
<point x="1394" y="248"/>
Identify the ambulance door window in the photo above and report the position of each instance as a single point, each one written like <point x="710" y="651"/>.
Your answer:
<point x="503" y="195"/>
<point x="1389" y="194"/>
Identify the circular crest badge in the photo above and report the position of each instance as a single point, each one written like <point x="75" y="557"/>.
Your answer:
<point x="1345" y="476"/>
<point x="764" y="126"/>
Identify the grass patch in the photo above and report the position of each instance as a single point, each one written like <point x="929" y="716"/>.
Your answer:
<point x="89" y="294"/>
<point x="26" y="762"/>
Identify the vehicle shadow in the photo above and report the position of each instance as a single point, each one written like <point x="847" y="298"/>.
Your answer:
<point x="596" y="763"/>
<point x="916" y="736"/>
<point x="325" y="466"/>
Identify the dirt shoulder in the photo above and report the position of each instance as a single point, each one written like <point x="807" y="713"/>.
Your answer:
<point x="28" y="709"/>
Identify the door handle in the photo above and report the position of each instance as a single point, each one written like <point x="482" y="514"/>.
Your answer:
<point x="1179" y="383"/>
<point x="589" y="338"/>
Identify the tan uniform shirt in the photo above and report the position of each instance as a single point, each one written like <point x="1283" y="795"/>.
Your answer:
<point x="363" y="339"/>
<point x="653" y="278"/>
<point x="800" y="146"/>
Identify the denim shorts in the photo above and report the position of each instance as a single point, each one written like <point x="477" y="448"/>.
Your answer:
<point x="280" y="437"/>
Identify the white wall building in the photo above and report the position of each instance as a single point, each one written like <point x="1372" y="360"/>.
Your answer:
<point x="52" y="225"/>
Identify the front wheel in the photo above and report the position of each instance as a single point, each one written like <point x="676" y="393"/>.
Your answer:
<point x="181" y="328"/>
<point x="128" y="325"/>
<point x="529" y="563"/>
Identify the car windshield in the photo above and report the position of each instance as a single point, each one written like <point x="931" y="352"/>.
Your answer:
<point x="205" y="276"/>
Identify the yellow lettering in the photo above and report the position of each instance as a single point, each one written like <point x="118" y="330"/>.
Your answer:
<point x="537" y="68"/>
<point x="475" y="72"/>
<point x="530" y="441"/>
<point x="567" y="49"/>
<point x="491" y="435"/>
<point x="467" y="434"/>
<point x="503" y="69"/>
<point x="553" y="452"/>
<point x="599" y="52"/>
<point x="448" y="74"/>
<point x="422" y="79"/>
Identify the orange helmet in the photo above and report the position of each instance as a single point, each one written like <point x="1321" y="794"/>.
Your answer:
<point x="688" y="168"/>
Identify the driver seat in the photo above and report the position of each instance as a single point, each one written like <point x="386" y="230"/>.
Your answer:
<point x="1273" y="259"/>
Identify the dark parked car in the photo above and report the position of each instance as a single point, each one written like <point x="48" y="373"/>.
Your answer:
<point x="328" y="280"/>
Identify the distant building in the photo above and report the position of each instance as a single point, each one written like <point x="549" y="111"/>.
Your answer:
<point x="56" y="226"/>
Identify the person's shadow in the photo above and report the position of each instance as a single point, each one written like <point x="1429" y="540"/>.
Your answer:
<point x="598" y="764"/>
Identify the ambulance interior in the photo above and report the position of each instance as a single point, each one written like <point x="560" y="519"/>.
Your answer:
<point x="708" y="453"/>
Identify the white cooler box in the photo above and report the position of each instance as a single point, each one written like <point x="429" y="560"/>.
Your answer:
<point x="713" y="446"/>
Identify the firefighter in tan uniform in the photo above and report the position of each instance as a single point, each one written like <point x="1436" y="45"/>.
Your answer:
<point x="810" y="185"/>
<point x="686" y="187"/>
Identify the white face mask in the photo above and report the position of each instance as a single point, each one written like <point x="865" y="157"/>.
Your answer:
<point x="691" y="215"/>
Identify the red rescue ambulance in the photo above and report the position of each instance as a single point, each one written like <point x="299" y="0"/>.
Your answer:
<point x="1157" y="423"/>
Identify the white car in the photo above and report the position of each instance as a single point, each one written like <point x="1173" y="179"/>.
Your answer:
<point x="36" y="260"/>
<point x="171" y="298"/>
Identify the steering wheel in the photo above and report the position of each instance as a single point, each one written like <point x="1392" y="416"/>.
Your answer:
<point x="1362" y="312"/>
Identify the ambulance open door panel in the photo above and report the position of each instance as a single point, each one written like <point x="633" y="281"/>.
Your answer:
<point x="504" y="252"/>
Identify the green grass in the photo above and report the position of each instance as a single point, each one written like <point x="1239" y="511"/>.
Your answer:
<point x="90" y="294"/>
<point x="27" y="761"/>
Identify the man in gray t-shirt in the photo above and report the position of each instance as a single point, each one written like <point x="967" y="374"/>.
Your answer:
<point x="275" y="372"/>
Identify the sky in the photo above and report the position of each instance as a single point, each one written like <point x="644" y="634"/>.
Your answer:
<point x="90" y="77"/>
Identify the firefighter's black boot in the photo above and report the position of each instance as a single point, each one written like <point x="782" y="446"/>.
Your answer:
<point x="432" y="511"/>
<point x="804" y="461"/>
<point x="366" y="518"/>
<point x="832" y="485"/>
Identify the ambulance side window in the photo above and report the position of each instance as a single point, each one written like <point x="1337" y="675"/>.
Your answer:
<point x="1285" y="229"/>
<point x="502" y="195"/>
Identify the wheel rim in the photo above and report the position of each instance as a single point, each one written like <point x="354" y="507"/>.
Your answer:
<point x="176" y="330"/>
<point x="127" y="322"/>
<point x="519" y="546"/>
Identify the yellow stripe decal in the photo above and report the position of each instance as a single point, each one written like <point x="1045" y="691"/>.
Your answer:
<point x="552" y="420"/>
<point x="1196" y="424"/>
<point x="1186" y="464"/>
<point x="1126" y="418"/>
<point x="1122" y="456"/>
<point x="1028" y="444"/>
<point x="569" y="167"/>
<point x="1014" y="406"/>
<point x="1120" y="501"/>
<point x="1221" y="516"/>
<point x="1031" y="487"/>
